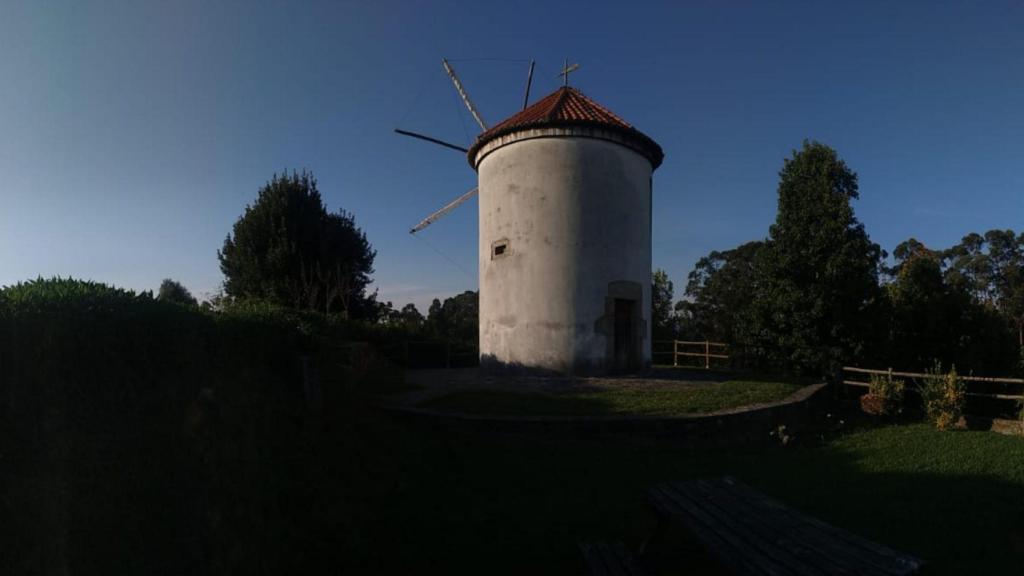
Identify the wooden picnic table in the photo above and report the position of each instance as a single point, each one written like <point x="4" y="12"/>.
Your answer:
<point x="749" y="533"/>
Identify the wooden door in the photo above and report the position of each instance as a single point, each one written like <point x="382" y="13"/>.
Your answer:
<point x="624" y="346"/>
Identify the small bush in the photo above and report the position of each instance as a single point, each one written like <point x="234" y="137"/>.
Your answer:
<point x="884" y="397"/>
<point x="174" y="291"/>
<point x="943" y="394"/>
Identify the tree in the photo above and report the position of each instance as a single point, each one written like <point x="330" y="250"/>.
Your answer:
<point x="991" y="268"/>
<point x="927" y="313"/>
<point x="938" y="316"/>
<point x="408" y="316"/>
<point x="411" y="316"/>
<point x="719" y="291"/>
<point x="662" y="318"/>
<point x="288" y="249"/>
<point x="458" y="318"/>
<point x="816" y="292"/>
<point x="173" y="291"/>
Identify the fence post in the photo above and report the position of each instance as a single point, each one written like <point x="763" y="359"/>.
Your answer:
<point x="707" y="355"/>
<point x="447" y="354"/>
<point x="675" y="353"/>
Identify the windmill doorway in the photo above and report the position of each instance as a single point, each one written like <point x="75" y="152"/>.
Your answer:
<point x="625" y="348"/>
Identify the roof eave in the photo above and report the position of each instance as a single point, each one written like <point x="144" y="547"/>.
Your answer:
<point x="646" y="146"/>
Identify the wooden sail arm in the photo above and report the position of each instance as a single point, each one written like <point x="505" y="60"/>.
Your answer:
<point x="444" y="210"/>
<point x="430" y="139"/>
<point x="529" y="81"/>
<point x="462" y="92"/>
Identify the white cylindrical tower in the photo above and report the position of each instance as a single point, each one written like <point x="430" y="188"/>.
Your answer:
<point x="565" y="239"/>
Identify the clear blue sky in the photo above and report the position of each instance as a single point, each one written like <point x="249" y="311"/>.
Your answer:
<point x="132" y="134"/>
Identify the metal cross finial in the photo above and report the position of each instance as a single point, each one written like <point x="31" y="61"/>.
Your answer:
<point x="566" y="70"/>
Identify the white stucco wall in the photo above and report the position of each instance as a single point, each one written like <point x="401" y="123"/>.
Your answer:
<point x="576" y="214"/>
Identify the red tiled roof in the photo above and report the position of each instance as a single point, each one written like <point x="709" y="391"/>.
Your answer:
<point x="566" y="106"/>
<point x="563" y="105"/>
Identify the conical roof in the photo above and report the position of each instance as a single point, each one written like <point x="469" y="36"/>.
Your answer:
<point x="568" y="107"/>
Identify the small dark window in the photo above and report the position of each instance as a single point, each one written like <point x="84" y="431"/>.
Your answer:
<point x="499" y="248"/>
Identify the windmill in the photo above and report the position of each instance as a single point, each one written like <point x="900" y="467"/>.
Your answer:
<point x="565" y="188"/>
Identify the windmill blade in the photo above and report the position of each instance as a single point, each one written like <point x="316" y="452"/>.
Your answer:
<point x="444" y="210"/>
<point x="429" y="139"/>
<point x="462" y="92"/>
<point x="529" y="81"/>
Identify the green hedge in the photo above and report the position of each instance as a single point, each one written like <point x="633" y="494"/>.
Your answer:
<point x="108" y="359"/>
<point x="138" y="435"/>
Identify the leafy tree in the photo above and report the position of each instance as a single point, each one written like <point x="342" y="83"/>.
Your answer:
<point x="408" y="316"/>
<point x="991" y="268"/>
<point x="719" y="292"/>
<point x="936" y="319"/>
<point x="174" y="291"/>
<point x="458" y="318"/>
<point x="289" y="250"/>
<point x="904" y="252"/>
<point x="434" y="312"/>
<point x="927" y="313"/>
<point x="816" y="291"/>
<point x="663" y="326"/>
<point x="411" y="315"/>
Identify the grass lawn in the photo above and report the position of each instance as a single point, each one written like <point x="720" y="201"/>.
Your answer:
<point x="690" y="399"/>
<point x="383" y="495"/>
<point x="421" y="500"/>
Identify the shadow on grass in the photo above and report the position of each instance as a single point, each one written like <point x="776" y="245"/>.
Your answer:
<point x="457" y="502"/>
<point x="385" y="496"/>
<point x="701" y="398"/>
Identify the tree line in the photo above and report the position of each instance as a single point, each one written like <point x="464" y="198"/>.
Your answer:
<point x="287" y="249"/>
<point x="817" y="292"/>
<point x="814" y="293"/>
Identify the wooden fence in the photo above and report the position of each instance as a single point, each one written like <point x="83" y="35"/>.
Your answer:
<point x="696" y="349"/>
<point x="917" y="375"/>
